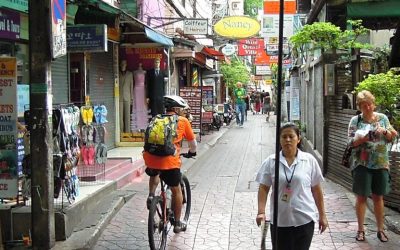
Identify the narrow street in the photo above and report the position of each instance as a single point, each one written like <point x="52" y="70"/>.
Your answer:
<point x="224" y="202"/>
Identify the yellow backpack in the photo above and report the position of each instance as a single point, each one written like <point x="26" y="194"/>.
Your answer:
<point x="160" y="135"/>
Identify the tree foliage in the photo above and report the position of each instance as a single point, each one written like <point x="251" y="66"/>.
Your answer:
<point x="251" y="7"/>
<point x="325" y="35"/>
<point x="235" y="72"/>
<point x="386" y="89"/>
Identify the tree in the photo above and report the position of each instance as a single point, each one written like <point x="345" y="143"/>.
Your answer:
<point x="251" y="7"/>
<point x="235" y="72"/>
<point x="386" y="89"/>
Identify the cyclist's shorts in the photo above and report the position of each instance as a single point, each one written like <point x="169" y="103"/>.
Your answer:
<point x="172" y="177"/>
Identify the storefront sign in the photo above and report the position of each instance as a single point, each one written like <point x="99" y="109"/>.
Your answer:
<point x="195" y="26"/>
<point x="270" y="26"/>
<point x="193" y="97"/>
<point x="273" y="6"/>
<point x="228" y="49"/>
<point x="20" y="5"/>
<point x="263" y="70"/>
<point x="10" y="27"/>
<point x="250" y="47"/>
<point x="237" y="27"/>
<point x="58" y="28"/>
<point x="91" y="38"/>
<point x="8" y="127"/>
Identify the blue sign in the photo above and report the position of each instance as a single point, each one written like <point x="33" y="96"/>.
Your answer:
<point x="58" y="10"/>
<point x="92" y="38"/>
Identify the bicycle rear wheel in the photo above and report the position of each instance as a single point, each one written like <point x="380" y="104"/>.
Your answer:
<point x="156" y="228"/>
<point x="187" y="197"/>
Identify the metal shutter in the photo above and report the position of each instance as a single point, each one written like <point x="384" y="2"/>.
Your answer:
<point x="60" y="80"/>
<point x="101" y="88"/>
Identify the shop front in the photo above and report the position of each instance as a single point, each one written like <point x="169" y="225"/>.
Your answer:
<point x="144" y="78"/>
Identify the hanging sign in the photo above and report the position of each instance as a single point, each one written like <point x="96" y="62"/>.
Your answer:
<point x="58" y="28"/>
<point x="237" y="27"/>
<point x="195" y="26"/>
<point x="250" y="47"/>
<point x="91" y="38"/>
<point x="8" y="127"/>
<point x="228" y="49"/>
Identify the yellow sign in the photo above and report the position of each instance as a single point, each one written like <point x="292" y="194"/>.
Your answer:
<point x="237" y="27"/>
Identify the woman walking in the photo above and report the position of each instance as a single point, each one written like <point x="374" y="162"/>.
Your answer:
<point x="300" y="193"/>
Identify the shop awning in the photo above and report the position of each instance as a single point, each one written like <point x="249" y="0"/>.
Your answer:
<point x="388" y="8"/>
<point x="190" y="55"/>
<point x="213" y="53"/>
<point x="138" y="34"/>
<point x="385" y="14"/>
<point x="157" y="37"/>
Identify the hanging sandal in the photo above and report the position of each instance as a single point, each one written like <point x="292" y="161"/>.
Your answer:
<point x="382" y="236"/>
<point x="360" y="236"/>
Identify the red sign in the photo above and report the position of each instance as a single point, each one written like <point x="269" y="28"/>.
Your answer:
<point x="272" y="7"/>
<point x="250" y="46"/>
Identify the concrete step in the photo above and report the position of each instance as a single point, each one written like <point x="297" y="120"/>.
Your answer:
<point x="126" y="173"/>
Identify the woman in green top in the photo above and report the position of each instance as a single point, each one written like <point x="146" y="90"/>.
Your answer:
<point x="370" y="132"/>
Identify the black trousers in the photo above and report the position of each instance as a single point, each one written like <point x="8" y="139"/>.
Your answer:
<point x="293" y="238"/>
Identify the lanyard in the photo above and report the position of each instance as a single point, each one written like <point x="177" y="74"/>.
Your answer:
<point x="291" y="177"/>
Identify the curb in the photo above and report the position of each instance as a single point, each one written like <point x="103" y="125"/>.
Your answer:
<point x="87" y="237"/>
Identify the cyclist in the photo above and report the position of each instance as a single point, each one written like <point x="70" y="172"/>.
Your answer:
<point x="168" y="167"/>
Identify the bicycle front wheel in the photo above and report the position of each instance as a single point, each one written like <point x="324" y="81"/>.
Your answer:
<point x="157" y="230"/>
<point x="187" y="197"/>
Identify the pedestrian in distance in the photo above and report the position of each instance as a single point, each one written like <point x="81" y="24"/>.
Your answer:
<point x="369" y="134"/>
<point x="240" y="104"/>
<point x="300" y="193"/>
<point x="267" y="105"/>
<point x="168" y="167"/>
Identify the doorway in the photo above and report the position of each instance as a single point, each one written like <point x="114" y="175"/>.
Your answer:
<point x="77" y="85"/>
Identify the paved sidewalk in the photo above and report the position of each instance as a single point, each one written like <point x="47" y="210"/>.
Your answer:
<point x="223" y="218"/>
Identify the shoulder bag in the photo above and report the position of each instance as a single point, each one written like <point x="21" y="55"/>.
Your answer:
<point x="349" y="149"/>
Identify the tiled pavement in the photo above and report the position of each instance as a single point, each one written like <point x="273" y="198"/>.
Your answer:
<point x="222" y="216"/>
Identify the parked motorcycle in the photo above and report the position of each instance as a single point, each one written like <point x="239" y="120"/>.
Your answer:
<point x="228" y="114"/>
<point x="217" y="120"/>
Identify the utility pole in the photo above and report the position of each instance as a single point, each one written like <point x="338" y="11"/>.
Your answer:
<point x="42" y="228"/>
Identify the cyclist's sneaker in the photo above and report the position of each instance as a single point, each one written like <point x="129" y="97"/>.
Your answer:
<point x="149" y="200"/>
<point x="179" y="227"/>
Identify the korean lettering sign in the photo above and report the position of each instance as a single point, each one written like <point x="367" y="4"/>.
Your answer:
<point x="8" y="127"/>
<point x="81" y="38"/>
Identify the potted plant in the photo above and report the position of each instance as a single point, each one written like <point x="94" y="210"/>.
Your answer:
<point x="328" y="37"/>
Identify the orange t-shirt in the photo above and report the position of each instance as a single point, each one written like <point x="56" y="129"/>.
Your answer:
<point x="184" y="130"/>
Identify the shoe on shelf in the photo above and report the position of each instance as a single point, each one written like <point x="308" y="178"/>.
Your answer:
<point x="179" y="227"/>
<point x="149" y="200"/>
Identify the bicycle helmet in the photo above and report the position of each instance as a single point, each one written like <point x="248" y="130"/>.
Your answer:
<point x="174" y="101"/>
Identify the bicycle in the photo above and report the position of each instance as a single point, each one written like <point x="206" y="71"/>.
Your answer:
<point x="161" y="216"/>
